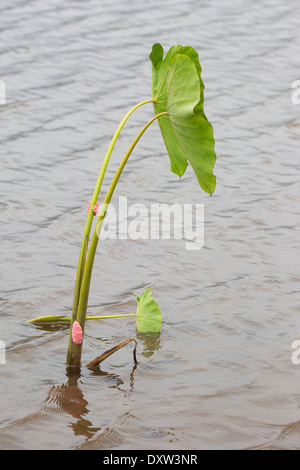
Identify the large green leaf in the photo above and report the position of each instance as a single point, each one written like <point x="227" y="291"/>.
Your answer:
<point x="177" y="89"/>
<point x="148" y="316"/>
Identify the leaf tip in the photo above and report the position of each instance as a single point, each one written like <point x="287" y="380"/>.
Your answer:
<point x="157" y="54"/>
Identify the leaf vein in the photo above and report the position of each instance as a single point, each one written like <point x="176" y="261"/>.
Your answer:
<point x="178" y="101"/>
<point x="178" y="88"/>
<point x="184" y="134"/>
<point x="180" y="124"/>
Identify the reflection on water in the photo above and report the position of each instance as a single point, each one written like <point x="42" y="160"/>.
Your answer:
<point x="68" y="398"/>
<point x="220" y="372"/>
<point x="148" y="344"/>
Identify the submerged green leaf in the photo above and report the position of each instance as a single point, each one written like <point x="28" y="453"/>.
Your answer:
<point x="177" y="88"/>
<point x="148" y="316"/>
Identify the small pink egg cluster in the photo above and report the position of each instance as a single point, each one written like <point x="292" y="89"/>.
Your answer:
<point x="95" y="208"/>
<point x="77" y="333"/>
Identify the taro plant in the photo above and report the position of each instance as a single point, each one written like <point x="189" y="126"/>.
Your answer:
<point x="178" y="102"/>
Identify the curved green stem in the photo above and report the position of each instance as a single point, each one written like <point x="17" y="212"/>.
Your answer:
<point x="74" y="351"/>
<point x="89" y="220"/>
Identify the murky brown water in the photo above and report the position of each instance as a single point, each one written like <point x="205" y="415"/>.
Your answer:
<point x="220" y="374"/>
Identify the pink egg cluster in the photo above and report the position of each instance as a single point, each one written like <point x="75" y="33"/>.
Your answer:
<point x="95" y="208"/>
<point x="77" y="333"/>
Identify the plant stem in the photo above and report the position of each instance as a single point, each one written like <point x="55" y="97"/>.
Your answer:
<point x="89" y="220"/>
<point x="59" y="318"/>
<point x="74" y="351"/>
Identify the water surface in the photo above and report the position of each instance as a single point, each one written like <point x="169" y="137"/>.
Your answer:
<point x="220" y="373"/>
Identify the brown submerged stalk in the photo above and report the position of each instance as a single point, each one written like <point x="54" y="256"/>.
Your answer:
<point x="111" y="351"/>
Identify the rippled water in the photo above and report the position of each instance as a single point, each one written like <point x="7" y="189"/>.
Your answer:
<point x="220" y="374"/>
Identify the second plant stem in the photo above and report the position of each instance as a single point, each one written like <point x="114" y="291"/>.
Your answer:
<point x="89" y="219"/>
<point x="74" y="351"/>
